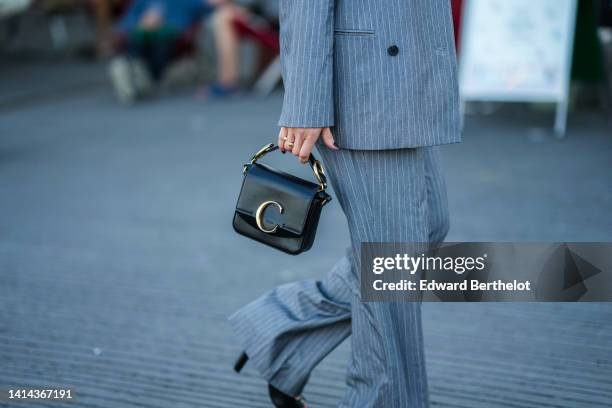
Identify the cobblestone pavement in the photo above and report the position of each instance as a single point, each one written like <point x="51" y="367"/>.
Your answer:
<point x="118" y="265"/>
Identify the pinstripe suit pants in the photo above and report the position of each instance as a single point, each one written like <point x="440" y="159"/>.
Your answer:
<point x="387" y="196"/>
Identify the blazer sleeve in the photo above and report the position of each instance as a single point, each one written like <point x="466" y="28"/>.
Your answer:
<point x="307" y="41"/>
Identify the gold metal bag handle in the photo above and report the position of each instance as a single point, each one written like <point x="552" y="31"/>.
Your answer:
<point x="316" y="166"/>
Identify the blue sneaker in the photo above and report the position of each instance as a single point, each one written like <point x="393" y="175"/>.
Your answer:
<point x="219" y="91"/>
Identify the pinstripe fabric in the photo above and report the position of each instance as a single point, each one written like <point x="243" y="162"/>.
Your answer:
<point x="306" y="39"/>
<point x="337" y="71"/>
<point x="387" y="196"/>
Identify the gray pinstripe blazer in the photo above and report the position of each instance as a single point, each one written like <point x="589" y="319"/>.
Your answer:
<point x="382" y="72"/>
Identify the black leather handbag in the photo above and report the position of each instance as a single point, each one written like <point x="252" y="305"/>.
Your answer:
<point x="298" y="201"/>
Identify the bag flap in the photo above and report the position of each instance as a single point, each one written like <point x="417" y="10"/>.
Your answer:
<point x="262" y="183"/>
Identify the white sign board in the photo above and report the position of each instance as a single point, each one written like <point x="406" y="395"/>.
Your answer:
<point x="518" y="50"/>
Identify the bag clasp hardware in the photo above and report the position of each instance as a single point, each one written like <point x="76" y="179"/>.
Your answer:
<point x="259" y="216"/>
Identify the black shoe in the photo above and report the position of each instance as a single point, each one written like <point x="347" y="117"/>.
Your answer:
<point x="241" y="362"/>
<point x="282" y="400"/>
<point x="278" y="398"/>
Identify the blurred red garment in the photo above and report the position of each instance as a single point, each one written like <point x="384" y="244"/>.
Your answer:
<point x="457" y="7"/>
<point x="265" y="36"/>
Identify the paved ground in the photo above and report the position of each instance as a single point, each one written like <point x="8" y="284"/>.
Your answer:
<point x="118" y="265"/>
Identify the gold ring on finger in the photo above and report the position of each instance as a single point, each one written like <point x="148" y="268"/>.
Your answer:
<point x="289" y="144"/>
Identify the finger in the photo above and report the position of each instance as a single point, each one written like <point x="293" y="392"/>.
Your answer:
<point x="328" y="139"/>
<point x="282" y="135"/>
<point x="290" y="139"/>
<point x="307" y="145"/>
<point x="299" y="133"/>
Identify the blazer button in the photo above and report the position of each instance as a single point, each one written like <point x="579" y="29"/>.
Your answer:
<point x="393" y="50"/>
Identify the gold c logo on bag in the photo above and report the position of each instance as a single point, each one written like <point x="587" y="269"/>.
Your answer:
<point x="259" y="216"/>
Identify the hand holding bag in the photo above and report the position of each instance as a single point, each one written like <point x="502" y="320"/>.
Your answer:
<point x="299" y="202"/>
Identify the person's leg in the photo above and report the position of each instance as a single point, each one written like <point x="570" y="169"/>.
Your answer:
<point x="103" y="22"/>
<point x="129" y="70"/>
<point x="289" y="330"/>
<point x="160" y="52"/>
<point x="437" y="201"/>
<point x="384" y="195"/>
<point x="154" y="48"/>
<point x="227" y="45"/>
<point x="121" y="70"/>
<point x="285" y="349"/>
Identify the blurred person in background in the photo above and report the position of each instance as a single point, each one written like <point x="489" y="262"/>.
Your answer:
<point x="153" y="29"/>
<point x="150" y="30"/>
